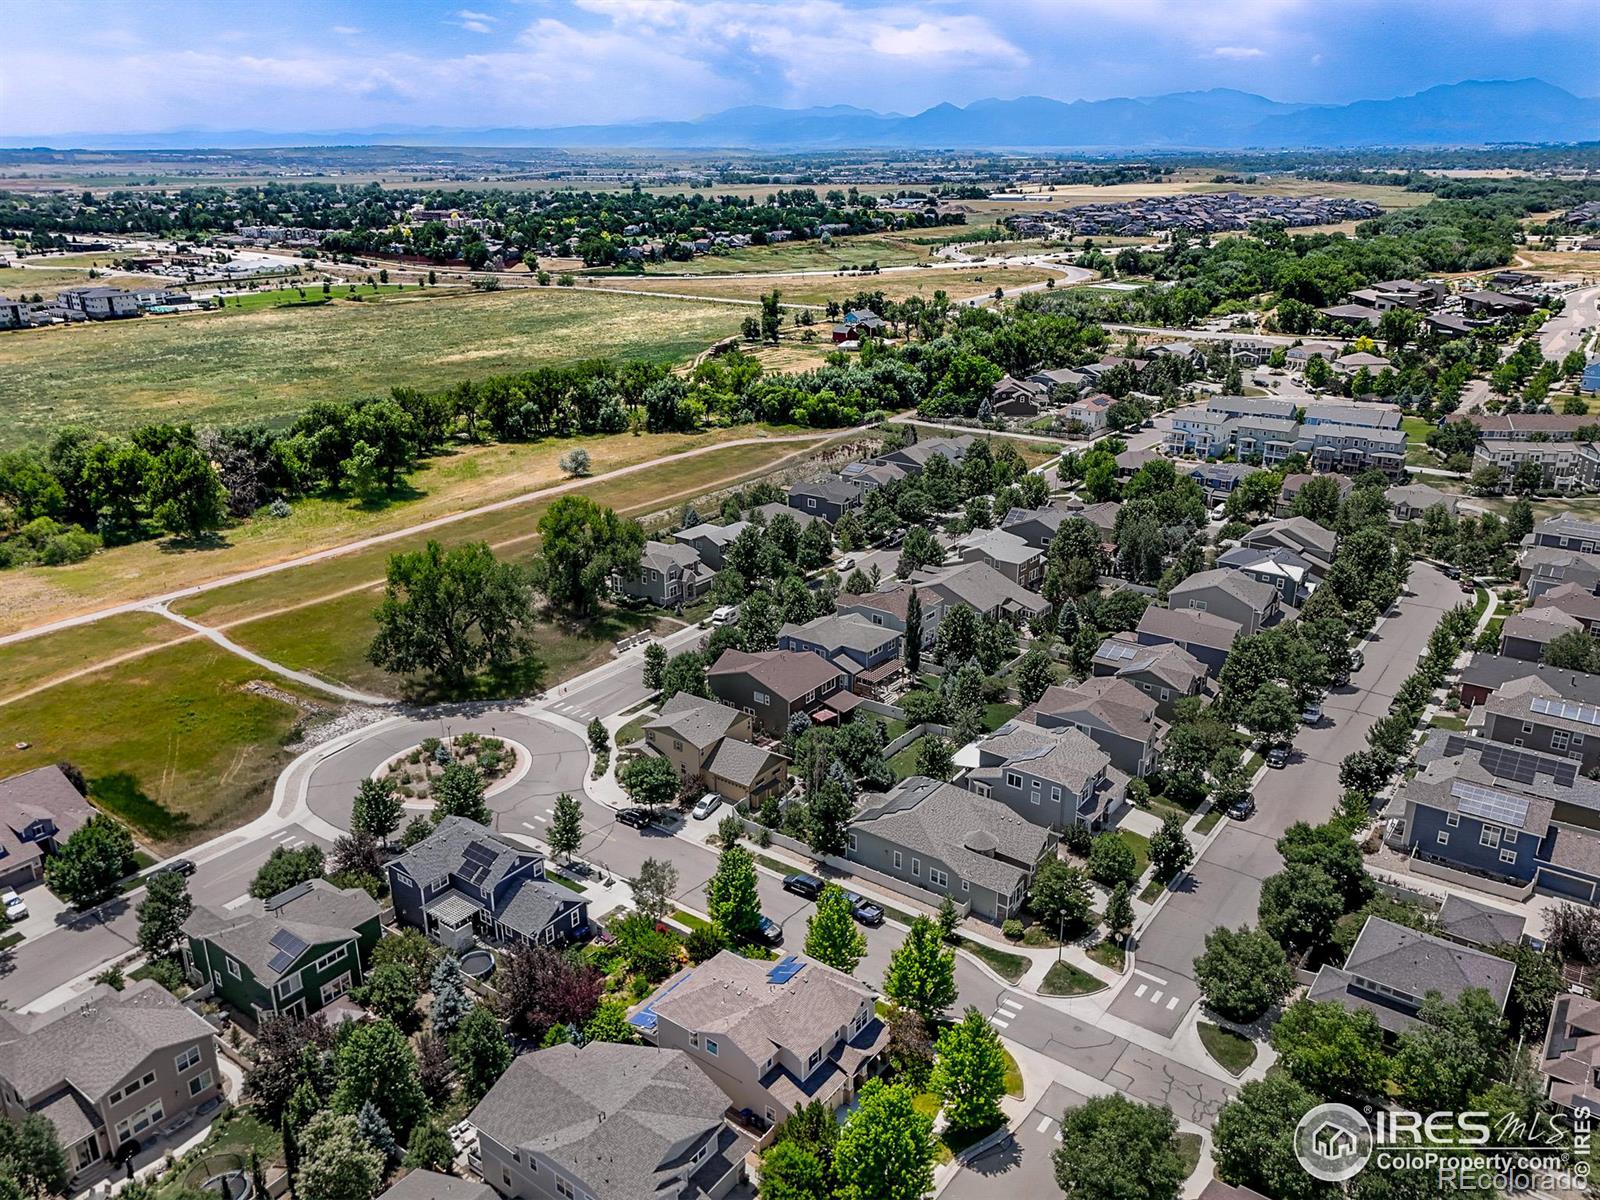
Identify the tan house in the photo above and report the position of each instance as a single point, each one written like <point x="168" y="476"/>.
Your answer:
<point x="713" y="743"/>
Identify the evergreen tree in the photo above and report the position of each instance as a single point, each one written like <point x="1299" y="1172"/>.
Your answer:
<point x="912" y="652"/>
<point x="451" y="1003"/>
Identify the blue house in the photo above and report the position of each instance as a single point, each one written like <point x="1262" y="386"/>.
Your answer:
<point x="1591" y="376"/>
<point x="867" y="653"/>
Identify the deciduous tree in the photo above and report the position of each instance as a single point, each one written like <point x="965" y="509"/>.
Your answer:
<point x="969" y="1073"/>
<point x="480" y="1051"/>
<point x="377" y="810"/>
<point x="581" y="546"/>
<point x="885" y="1150"/>
<point x="91" y="862"/>
<point x="732" y="901"/>
<point x="566" y="826"/>
<point x="921" y="974"/>
<point x="1242" y="972"/>
<point x="162" y="912"/>
<point x="1114" y="1148"/>
<point x="831" y="933"/>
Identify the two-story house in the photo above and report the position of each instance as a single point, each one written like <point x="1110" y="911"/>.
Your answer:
<point x="1053" y="777"/>
<point x="1293" y="576"/>
<point x="39" y="810"/>
<point x="979" y="586"/>
<point x="773" y="1036"/>
<point x="608" y="1122"/>
<point x="291" y="955"/>
<point x="1037" y="526"/>
<point x="1300" y="534"/>
<point x="1007" y="553"/>
<point x="463" y="882"/>
<point x="869" y="654"/>
<point x="947" y="841"/>
<point x="1236" y="595"/>
<point x="1579" y="603"/>
<point x="1536" y="713"/>
<point x="669" y="575"/>
<point x="1541" y="568"/>
<point x="710" y="542"/>
<point x="1206" y="635"/>
<point x="1294" y="482"/>
<point x="776" y="685"/>
<point x="714" y="744"/>
<point x="915" y="456"/>
<point x="1568" y="531"/>
<point x="1410" y="501"/>
<point x="1119" y="717"/>
<point x="107" y="1068"/>
<point x="1526" y="634"/>
<point x="829" y="498"/>
<point x="890" y="608"/>
<point x="1165" y="672"/>
<point x="1563" y="466"/>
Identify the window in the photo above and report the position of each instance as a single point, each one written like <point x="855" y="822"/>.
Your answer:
<point x="327" y="960"/>
<point x="1527" y="727"/>
<point x="916" y="867"/>
<point x="335" y="988"/>
<point x="1558" y="739"/>
<point x="1510" y="838"/>
<point x="1444" y="838"/>
<point x="1013" y="779"/>
<point x="200" y="1083"/>
<point x="711" y="1046"/>
<point x="187" y="1059"/>
<point x="1055" y="794"/>
<point x="1489" y="836"/>
<point x="1508" y="856"/>
<point x="897" y="860"/>
<point x="573" y="920"/>
<point x="505" y="1177"/>
<point x="938" y="878"/>
<point x="810" y="503"/>
<point x="1452" y="819"/>
<point x="761" y="698"/>
<point x="128" y="1089"/>
<point x="965" y="887"/>
<point x="139" y="1121"/>
<point x="233" y="969"/>
<point x="852" y="841"/>
<point x="289" y="986"/>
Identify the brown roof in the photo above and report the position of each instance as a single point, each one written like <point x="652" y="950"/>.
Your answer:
<point x="789" y="673"/>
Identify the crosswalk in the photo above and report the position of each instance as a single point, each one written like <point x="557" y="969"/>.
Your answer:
<point x="540" y="819"/>
<point x="1154" y="990"/>
<point x="1046" y="1124"/>
<point x="289" y="839"/>
<point x="1005" y="1013"/>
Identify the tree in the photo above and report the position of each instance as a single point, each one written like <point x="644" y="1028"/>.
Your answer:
<point x="610" y="1024"/>
<point x="1253" y="1141"/>
<point x="1330" y="848"/>
<point x="1112" y="861"/>
<point x="430" y="1148"/>
<point x="885" y="1150"/>
<point x="649" y="781"/>
<point x="732" y="901"/>
<point x="957" y="639"/>
<point x="288" y="1053"/>
<point x="1242" y="973"/>
<point x="789" y="1171"/>
<point x="1060" y="895"/>
<point x="581" y="546"/>
<point x="935" y="757"/>
<point x="1114" y="1148"/>
<point x="1448" y="1057"/>
<point x="912" y="652"/>
<point x="162" y="912"/>
<point x="599" y="739"/>
<point x="1170" y="851"/>
<point x="1299" y="906"/>
<point x="685" y="672"/>
<point x="1334" y="1051"/>
<point x="377" y="810"/>
<point x="451" y="1003"/>
<point x="372" y="1127"/>
<point x="1270" y="712"/>
<point x="575" y="461"/>
<point x="1034" y="676"/>
<point x="1572" y="651"/>
<point x="91" y="863"/>
<point x="286" y="868"/>
<point x="335" y="1161"/>
<point x="390" y="991"/>
<point x="1119" y="912"/>
<point x="831" y="933"/>
<point x="375" y="1062"/>
<point x="458" y="792"/>
<point x="922" y="972"/>
<point x="1528" y="478"/>
<point x="969" y="1073"/>
<point x="451" y="613"/>
<point x="32" y="1157"/>
<point x="566" y="826"/>
<point x="186" y="497"/>
<point x="655" y="665"/>
<point x="655" y="887"/>
<point x="480" y="1051"/>
<point x="1533" y="989"/>
<point x="1318" y="499"/>
<point x="830" y="810"/>
<point x="540" y="987"/>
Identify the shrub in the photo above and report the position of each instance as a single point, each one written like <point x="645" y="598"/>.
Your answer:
<point x="1012" y="928"/>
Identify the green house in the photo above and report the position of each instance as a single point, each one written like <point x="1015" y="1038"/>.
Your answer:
<point x="291" y="955"/>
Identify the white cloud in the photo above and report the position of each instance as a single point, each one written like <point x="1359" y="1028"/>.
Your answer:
<point x="1238" y="52"/>
<point x="476" y="22"/>
<point x="346" y="30"/>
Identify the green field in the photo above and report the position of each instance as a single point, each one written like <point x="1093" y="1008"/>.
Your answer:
<point x="217" y="368"/>
<point x="27" y="663"/>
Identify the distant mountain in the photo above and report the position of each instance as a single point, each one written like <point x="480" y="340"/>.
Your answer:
<point x="1474" y="112"/>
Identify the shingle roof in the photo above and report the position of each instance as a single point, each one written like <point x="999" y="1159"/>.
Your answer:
<point x="1569" y="525"/>
<point x="1000" y="545"/>
<point x="1419" y="963"/>
<point x="981" y="586"/>
<point x="443" y="852"/>
<point x="1065" y="756"/>
<point x="895" y="601"/>
<point x="1300" y="532"/>
<point x="740" y="761"/>
<point x="835" y="632"/>
<point x="1258" y="595"/>
<point x="1190" y="626"/>
<point x="717" y="535"/>
<point x="1573" y="599"/>
<point x="961" y="829"/>
<point x="1479" y="924"/>
<point x="430" y="1185"/>
<point x="1541" y="624"/>
<point x="789" y="673"/>
<point x="1168" y="662"/>
<point x="1114" y="703"/>
<point x="696" y="721"/>
<point x="43" y="793"/>
<point x="606" y="1113"/>
<point x="661" y="556"/>
<point x="315" y="912"/>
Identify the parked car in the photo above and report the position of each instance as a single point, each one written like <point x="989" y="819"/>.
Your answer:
<point x="15" y="906"/>
<point x="1278" y="757"/>
<point x="178" y="866"/>
<point x="1357" y="660"/>
<point x="1468" y="586"/>
<point x="1452" y="572"/>
<point x="771" y="932"/>
<point x="1243" y="808"/>
<point x="1312" y="713"/>
<point x="639" y="818"/>
<point x="727" y="614"/>
<point x="864" y="910"/>
<point x="707" y="805"/>
<point x="808" y="886"/>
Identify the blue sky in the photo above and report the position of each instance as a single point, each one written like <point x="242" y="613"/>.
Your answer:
<point x="150" y="65"/>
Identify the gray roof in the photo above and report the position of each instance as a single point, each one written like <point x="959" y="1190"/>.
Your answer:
<point x="740" y="761"/>
<point x="1251" y="406"/>
<point x="1479" y="924"/>
<point x="662" y="555"/>
<point x="1515" y="697"/>
<point x="1573" y="599"/>
<point x="1114" y="703"/>
<point x="1542" y="624"/>
<point x="444" y="852"/>
<point x="835" y="632"/>
<point x="1420" y="495"/>
<point x="789" y="673"/>
<point x="1168" y="661"/>
<point x="1554" y="562"/>
<point x="43" y="793"/>
<point x="971" y="835"/>
<point x="1190" y="626"/>
<point x="1569" y="525"/>
<point x="831" y="488"/>
<point x="980" y="586"/>
<point x="769" y="511"/>
<point x="1258" y="595"/>
<point x="1302" y="533"/>
<point x="717" y="535"/>
<point x="313" y="914"/>
<point x="1371" y="416"/>
<point x="1065" y="756"/>
<point x="696" y="721"/>
<point x="610" y="1115"/>
<point x="1000" y="545"/>
<point x="1492" y="670"/>
<point x="430" y="1185"/>
<point x="93" y="1041"/>
<point x="533" y="904"/>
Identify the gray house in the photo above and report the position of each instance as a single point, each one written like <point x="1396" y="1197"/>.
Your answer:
<point x="1525" y="634"/>
<point x="1300" y="534"/>
<point x="668" y="575"/>
<point x="1036" y="526"/>
<point x="869" y="654"/>
<point x="1007" y="552"/>
<point x="1537" y="713"/>
<point x="39" y="810"/>
<point x="947" y="841"/>
<point x="462" y="882"/>
<point x="1293" y="576"/>
<point x="981" y="587"/>
<point x="1568" y="531"/>
<point x="1541" y="568"/>
<point x="607" y="1120"/>
<point x="711" y="542"/>
<point x="1250" y="603"/>
<point x="829" y="498"/>
<point x="890" y="607"/>
<point x="1117" y="715"/>
<point x="1052" y="777"/>
<point x="1205" y="635"/>
<point x="1166" y="673"/>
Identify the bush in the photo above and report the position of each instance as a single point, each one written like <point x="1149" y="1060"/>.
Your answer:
<point x="1012" y="928"/>
<point x="1078" y="839"/>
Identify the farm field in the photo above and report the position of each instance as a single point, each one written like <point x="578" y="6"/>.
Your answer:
<point x="818" y="290"/>
<point x="451" y="482"/>
<point x="217" y="368"/>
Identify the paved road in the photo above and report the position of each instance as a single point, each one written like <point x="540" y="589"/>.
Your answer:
<point x="1020" y="1166"/>
<point x="1225" y="884"/>
<point x="1571" y="329"/>
<point x="82" y="943"/>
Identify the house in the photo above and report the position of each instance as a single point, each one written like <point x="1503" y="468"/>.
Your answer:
<point x="980" y="586"/>
<point x="1354" y="314"/>
<point x="948" y="841"/>
<point x="1037" y="526"/>
<point x="107" y="1068"/>
<point x="1206" y="635"/>
<point x="1250" y="354"/>
<point x="1563" y="466"/>
<point x="1017" y="397"/>
<point x="1296" y="357"/>
<point x="11" y="313"/>
<point x="1271" y="439"/>
<point x="1448" y="327"/>
<point x="1485" y="674"/>
<point x="1485" y="303"/>
<point x="916" y="456"/>
<point x="1239" y="597"/>
<point x="1520" y="427"/>
<point x="39" y="810"/>
<point x="1187" y="351"/>
<point x="1060" y="379"/>
<point x="715" y="745"/>
<point x="1544" y="712"/>
<point x="890" y="607"/>
<point x="1504" y="819"/>
<point x="1300" y="534"/>
<point x="607" y="1120"/>
<point x="1292" y="575"/>
<point x="1391" y="969"/>
<point x="1410" y="501"/>
<point x="1349" y="364"/>
<point x="1006" y="552"/>
<point x="1568" y="531"/>
<point x="1102" y="515"/>
<point x="1206" y="434"/>
<point x="871" y="473"/>
<point x="1570" y="1059"/>
<point x="773" y="1036"/>
<point x="1218" y="478"/>
<point x="1090" y="411"/>
<point x="289" y="955"/>
<point x="669" y="575"/>
<point x="1369" y="415"/>
<point x="1166" y="672"/>
<point x="1354" y="448"/>
<point x="1129" y="462"/>
<point x="1525" y="634"/>
<point x="1293" y="483"/>
<point x="1577" y="602"/>
<point x="462" y="883"/>
<point x="766" y="512"/>
<point x="422" y="1184"/>
<point x="100" y="303"/>
<point x="711" y="542"/>
<point x="1541" y="568"/>
<point x="868" y="654"/>
<point x="1057" y="778"/>
<point x="777" y="685"/>
<point x="829" y="498"/>
<point x="1251" y="406"/>
<point x="858" y="323"/>
<point x="1116" y="714"/>
<point x="1474" y="923"/>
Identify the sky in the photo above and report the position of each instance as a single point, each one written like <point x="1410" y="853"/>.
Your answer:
<point x="307" y="65"/>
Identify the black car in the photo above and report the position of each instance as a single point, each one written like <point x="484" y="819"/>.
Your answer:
<point x="1240" y="809"/>
<point x="771" y="931"/>
<point x="1278" y="757"/>
<point x="639" y="818"/>
<point x="864" y="910"/>
<point x="178" y="866"/>
<point x="808" y="886"/>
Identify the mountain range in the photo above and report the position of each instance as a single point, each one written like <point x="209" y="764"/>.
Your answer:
<point x="1474" y="112"/>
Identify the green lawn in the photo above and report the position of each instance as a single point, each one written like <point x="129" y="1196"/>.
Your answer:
<point x="1064" y="979"/>
<point x="689" y="920"/>
<point x="904" y="762"/>
<point x="311" y="295"/>
<point x="29" y="663"/>
<point x="1443" y="721"/>
<point x="1013" y="1075"/>
<point x="1108" y="954"/>
<point x="996" y="715"/>
<point x="1208" y="822"/>
<point x="1189" y="1147"/>
<point x="633" y="731"/>
<point x="1416" y="429"/>
<point x="1234" y="1052"/>
<point x="1140" y="845"/>
<point x="1010" y="967"/>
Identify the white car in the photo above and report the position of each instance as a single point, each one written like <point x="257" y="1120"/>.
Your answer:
<point x="16" y="907"/>
<point x="847" y="563"/>
<point x="708" y="805"/>
<point x="726" y="614"/>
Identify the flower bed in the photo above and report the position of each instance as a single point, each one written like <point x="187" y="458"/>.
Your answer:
<point x="412" y="772"/>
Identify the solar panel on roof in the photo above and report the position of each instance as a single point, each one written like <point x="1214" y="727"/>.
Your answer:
<point x="785" y="969"/>
<point x="289" y="943"/>
<point x="477" y="861"/>
<point x="1118" y="651"/>
<point x="1571" y="710"/>
<point x="1505" y="763"/>
<point x="1489" y="804"/>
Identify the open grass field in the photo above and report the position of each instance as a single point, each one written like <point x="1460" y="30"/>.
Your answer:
<point x="32" y="662"/>
<point x="217" y="368"/>
<point x="171" y="742"/>
<point x="886" y="249"/>
<point x="452" y="482"/>
<point x="818" y="290"/>
<point x="48" y="281"/>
